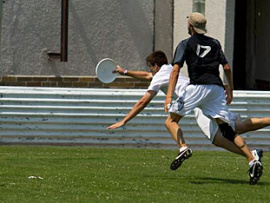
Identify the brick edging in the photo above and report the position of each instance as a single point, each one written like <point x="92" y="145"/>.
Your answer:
<point x="70" y="81"/>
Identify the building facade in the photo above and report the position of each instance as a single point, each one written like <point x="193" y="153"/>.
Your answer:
<point x="127" y="31"/>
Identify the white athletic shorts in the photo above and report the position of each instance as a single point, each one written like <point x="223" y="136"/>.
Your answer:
<point x="209" y="98"/>
<point x="209" y="126"/>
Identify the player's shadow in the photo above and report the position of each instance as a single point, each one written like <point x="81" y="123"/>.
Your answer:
<point x="210" y="180"/>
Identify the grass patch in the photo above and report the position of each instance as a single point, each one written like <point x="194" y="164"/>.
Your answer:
<point x="80" y="174"/>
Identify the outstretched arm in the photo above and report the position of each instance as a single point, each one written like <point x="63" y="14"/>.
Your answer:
<point x="141" y="75"/>
<point x="137" y="108"/>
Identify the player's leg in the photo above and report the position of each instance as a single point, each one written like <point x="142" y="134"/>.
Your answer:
<point x="211" y="130"/>
<point x="224" y="143"/>
<point x="240" y="142"/>
<point x="221" y="141"/>
<point x="174" y="129"/>
<point x="255" y="166"/>
<point x="182" y="106"/>
<point x="251" y="124"/>
<point x="216" y="107"/>
<point x="231" y="135"/>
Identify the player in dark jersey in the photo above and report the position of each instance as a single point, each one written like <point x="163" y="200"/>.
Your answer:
<point x="203" y="55"/>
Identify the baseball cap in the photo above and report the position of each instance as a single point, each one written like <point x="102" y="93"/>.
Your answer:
<point x="198" y="21"/>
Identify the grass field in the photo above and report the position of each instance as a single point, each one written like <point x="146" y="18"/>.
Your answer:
<point x="80" y="174"/>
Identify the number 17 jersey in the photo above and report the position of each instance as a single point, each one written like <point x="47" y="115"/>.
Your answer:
<point x="203" y="55"/>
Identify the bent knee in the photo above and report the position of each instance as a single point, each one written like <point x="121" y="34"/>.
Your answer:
<point x="172" y="119"/>
<point x="241" y="142"/>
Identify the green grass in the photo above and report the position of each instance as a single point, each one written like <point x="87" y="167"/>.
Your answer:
<point x="80" y="174"/>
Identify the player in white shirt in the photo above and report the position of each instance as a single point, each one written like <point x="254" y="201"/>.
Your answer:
<point x="160" y="73"/>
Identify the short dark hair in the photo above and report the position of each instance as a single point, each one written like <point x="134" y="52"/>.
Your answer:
<point x="157" y="57"/>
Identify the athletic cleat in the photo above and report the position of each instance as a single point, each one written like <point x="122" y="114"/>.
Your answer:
<point x="255" y="172"/>
<point x="258" y="154"/>
<point x="182" y="156"/>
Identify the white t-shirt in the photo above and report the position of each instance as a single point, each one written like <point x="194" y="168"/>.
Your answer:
<point x="160" y="81"/>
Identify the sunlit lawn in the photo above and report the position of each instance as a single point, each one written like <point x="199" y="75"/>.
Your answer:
<point x="82" y="174"/>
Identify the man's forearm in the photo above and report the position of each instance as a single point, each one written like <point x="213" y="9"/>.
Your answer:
<point x="141" y="75"/>
<point x="139" y="106"/>
<point x="173" y="80"/>
<point x="228" y="73"/>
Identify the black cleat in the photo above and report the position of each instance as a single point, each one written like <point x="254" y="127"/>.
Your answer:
<point x="255" y="172"/>
<point x="182" y="156"/>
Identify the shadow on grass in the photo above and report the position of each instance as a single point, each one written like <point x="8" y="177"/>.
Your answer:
<point x="209" y="180"/>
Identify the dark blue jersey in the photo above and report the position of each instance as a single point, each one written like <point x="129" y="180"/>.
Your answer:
<point x="203" y="56"/>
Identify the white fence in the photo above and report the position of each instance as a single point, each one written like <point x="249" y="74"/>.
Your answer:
<point x="69" y="116"/>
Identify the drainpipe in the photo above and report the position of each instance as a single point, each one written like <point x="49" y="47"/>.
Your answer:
<point x="64" y="31"/>
<point x="63" y="55"/>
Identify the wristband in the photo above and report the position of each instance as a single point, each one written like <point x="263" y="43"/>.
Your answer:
<point x="125" y="72"/>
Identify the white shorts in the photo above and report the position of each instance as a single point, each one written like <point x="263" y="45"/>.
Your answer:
<point x="209" y="98"/>
<point x="209" y="125"/>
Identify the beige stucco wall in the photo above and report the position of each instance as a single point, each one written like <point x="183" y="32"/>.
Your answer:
<point x="126" y="31"/>
<point x="182" y="9"/>
<point x="119" y="29"/>
<point x="1" y="3"/>
<point x="220" y="23"/>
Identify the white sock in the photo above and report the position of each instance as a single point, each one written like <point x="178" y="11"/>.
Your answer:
<point x="251" y="162"/>
<point x="255" y="155"/>
<point x="182" y="149"/>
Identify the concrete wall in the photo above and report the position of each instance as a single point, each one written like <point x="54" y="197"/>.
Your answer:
<point x="164" y="27"/>
<point x="220" y="15"/>
<point x="1" y="3"/>
<point x="182" y="9"/>
<point x="120" y="29"/>
<point x="125" y="30"/>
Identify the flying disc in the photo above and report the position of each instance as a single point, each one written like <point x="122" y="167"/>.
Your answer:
<point x="104" y="70"/>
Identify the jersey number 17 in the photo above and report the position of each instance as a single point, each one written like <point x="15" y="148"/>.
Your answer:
<point x="202" y="51"/>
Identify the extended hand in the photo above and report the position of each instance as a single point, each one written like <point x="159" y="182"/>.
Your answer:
<point x="119" y="70"/>
<point x="229" y="96"/>
<point x="167" y="104"/>
<point x="116" y="125"/>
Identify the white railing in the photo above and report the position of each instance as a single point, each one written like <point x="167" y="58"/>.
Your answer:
<point x="79" y="116"/>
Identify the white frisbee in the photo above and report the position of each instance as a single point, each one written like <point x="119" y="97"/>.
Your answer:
<point x="104" y="70"/>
